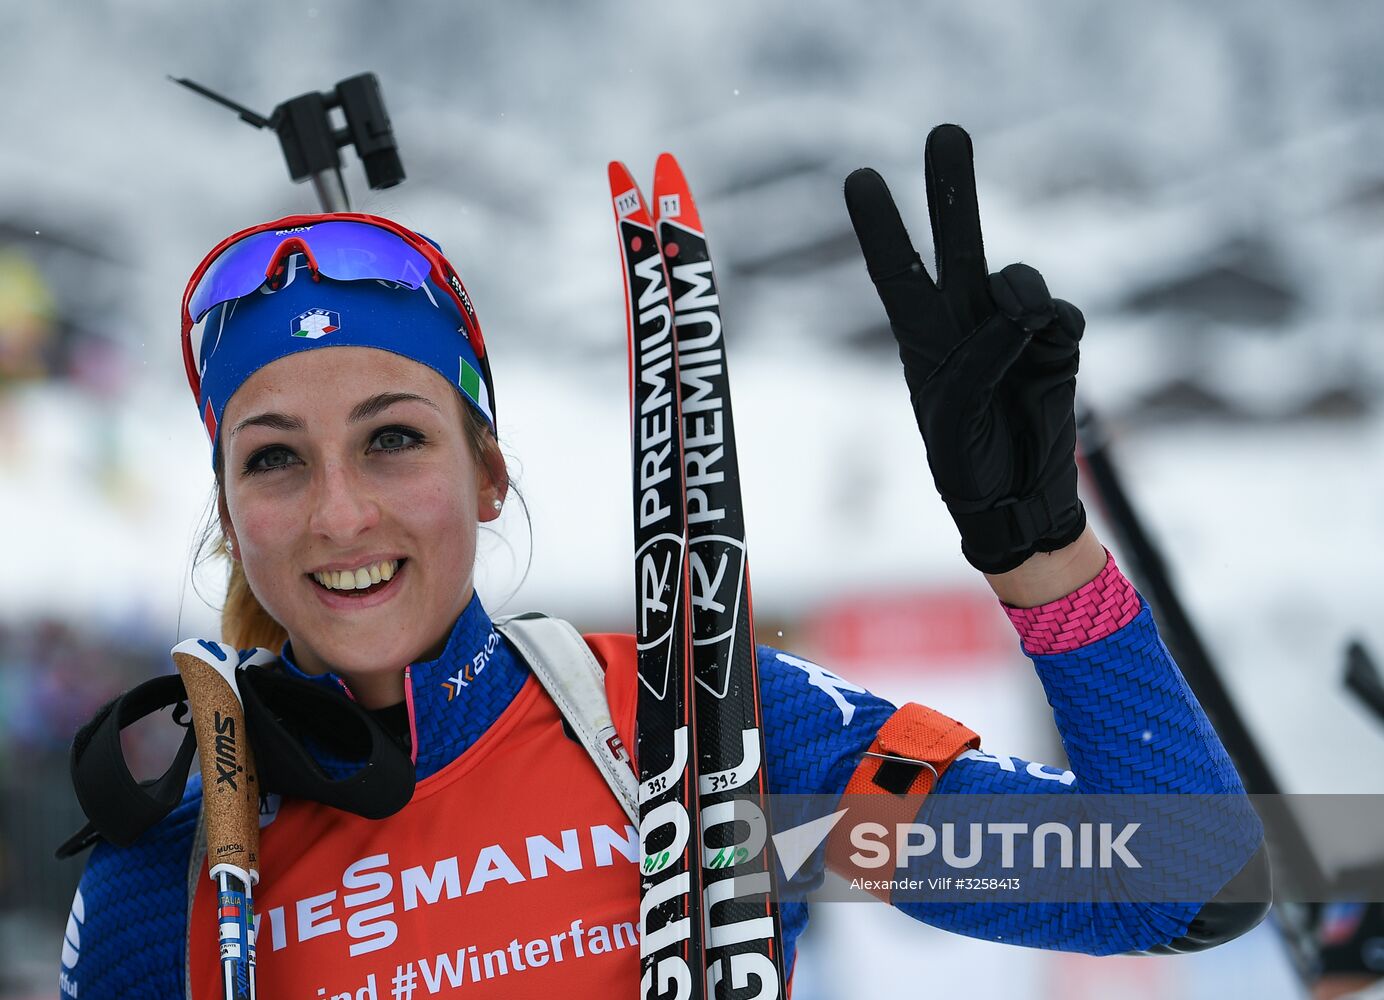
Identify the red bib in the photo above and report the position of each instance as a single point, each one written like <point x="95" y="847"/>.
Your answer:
<point x="511" y="873"/>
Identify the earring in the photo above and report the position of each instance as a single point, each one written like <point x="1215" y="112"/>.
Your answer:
<point x="230" y="547"/>
<point x="497" y="503"/>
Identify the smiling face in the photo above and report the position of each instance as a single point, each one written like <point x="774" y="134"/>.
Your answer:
<point x="350" y="466"/>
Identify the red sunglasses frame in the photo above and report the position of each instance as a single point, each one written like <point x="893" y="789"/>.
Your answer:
<point x="440" y="270"/>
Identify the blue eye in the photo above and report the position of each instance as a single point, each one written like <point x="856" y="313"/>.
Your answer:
<point x="268" y="459"/>
<point x="395" y="439"/>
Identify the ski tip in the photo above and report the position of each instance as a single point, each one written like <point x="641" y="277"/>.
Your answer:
<point x="625" y="195"/>
<point x="621" y="180"/>
<point x="672" y="197"/>
<point x="667" y="165"/>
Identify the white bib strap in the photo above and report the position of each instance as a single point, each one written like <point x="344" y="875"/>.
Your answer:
<point x="564" y="664"/>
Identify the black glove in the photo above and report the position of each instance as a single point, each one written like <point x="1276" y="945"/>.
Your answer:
<point x="990" y="363"/>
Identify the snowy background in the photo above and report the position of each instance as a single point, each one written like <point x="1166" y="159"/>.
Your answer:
<point x="1206" y="182"/>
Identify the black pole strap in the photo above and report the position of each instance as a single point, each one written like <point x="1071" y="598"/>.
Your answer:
<point x="118" y="806"/>
<point x="291" y="722"/>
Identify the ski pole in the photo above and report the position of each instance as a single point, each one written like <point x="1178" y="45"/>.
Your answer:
<point x="230" y="803"/>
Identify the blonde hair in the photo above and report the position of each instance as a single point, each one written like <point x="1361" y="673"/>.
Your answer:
<point x="244" y="621"/>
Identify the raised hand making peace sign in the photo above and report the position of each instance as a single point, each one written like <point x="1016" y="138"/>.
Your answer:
<point x="990" y="361"/>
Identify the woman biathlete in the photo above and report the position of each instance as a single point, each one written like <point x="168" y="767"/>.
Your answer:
<point x="351" y="415"/>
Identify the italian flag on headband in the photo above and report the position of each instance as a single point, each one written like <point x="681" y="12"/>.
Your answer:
<point x="470" y="382"/>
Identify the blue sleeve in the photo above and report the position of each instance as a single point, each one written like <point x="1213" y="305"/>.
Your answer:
<point x="816" y="725"/>
<point x="1129" y="724"/>
<point x="127" y="933"/>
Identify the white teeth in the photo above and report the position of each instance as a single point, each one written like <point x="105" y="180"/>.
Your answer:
<point x="358" y="579"/>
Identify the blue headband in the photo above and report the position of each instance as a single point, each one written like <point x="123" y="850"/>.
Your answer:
<point x="242" y="336"/>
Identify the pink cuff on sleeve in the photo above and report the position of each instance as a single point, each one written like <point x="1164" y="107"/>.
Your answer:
<point x="1105" y="605"/>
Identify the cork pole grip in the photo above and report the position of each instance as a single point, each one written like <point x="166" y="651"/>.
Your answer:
<point x="230" y="790"/>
